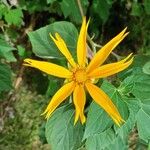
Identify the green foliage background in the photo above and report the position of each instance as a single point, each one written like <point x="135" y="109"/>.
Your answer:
<point x="24" y="32"/>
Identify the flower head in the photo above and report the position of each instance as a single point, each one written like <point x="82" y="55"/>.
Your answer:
<point x="80" y="75"/>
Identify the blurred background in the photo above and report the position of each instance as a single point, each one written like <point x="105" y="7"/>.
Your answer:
<point x="24" y="92"/>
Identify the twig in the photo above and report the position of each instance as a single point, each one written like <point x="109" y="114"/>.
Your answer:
<point x="118" y="57"/>
<point x="19" y="78"/>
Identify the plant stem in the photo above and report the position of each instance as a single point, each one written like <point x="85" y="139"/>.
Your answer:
<point x="80" y="8"/>
<point x="118" y="57"/>
<point x="90" y="52"/>
<point x="93" y="44"/>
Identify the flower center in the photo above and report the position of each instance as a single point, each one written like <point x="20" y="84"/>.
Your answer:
<point x="80" y="76"/>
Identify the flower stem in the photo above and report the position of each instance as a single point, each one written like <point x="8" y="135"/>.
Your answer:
<point x="80" y="8"/>
<point x="92" y="43"/>
<point x="118" y="57"/>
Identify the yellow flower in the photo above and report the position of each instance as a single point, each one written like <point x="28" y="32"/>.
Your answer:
<point x="80" y="75"/>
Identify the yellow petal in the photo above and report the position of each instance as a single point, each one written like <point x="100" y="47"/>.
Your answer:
<point x="110" y="69"/>
<point x="60" y="43"/>
<point x="79" y="100"/>
<point x="104" y="52"/>
<point x="81" y="45"/>
<point x="59" y="97"/>
<point x="49" y="68"/>
<point x="104" y="101"/>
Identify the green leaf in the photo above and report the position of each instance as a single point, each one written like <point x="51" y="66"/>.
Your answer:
<point x="53" y="86"/>
<point x="101" y="8"/>
<point x="70" y="8"/>
<point x="127" y="85"/>
<point x="146" y="68"/>
<point x="116" y="98"/>
<point x="136" y="9"/>
<point x="6" y="51"/>
<point x="143" y="122"/>
<point x="39" y="6"/>
<point x="3" y="9"/>
<point x="118" y="144"/>
<point x="133" y="106"/>
<point x="61" y="134"/>
<point x="140" y="60"/>
<point x="147" y="6"/>
<point x="137" y="65"/>
<point x="141" y="91"/>
<point x="5" y="78"/>
<point x="96" y="133"/>
<point x="141" y="88"/>
<point x="50" y="1"/>
<point x="21" y="51"/>
<point x="14" y="16"/>
<point x="97" y="119"/>
<point x="44" y="47"/>
<point x="139" y="109"/>
<point x="106" y="141"/>
<point x="100" y="140"/>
